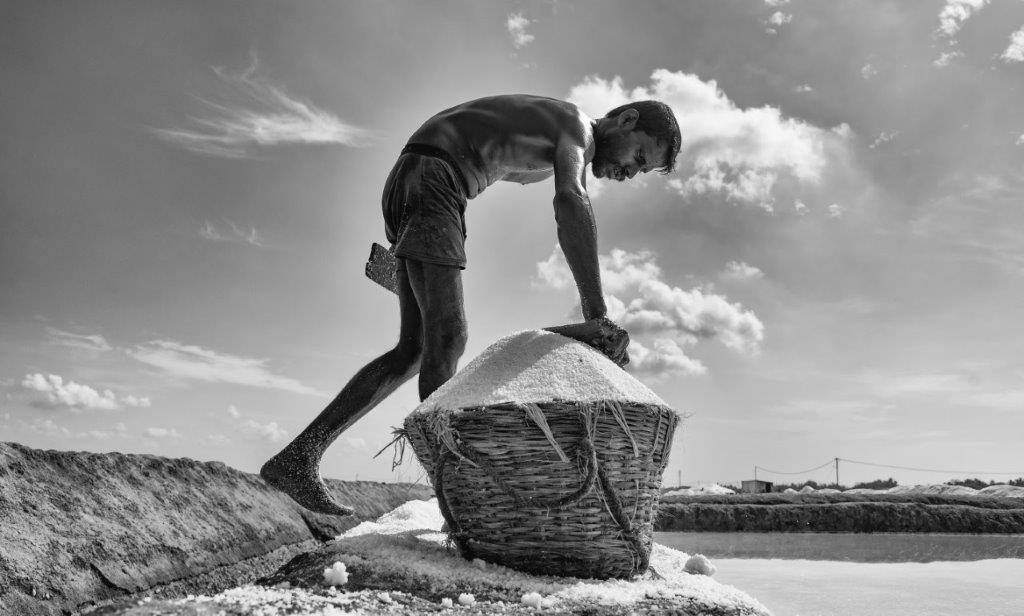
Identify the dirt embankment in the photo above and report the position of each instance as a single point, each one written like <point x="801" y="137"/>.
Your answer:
<point x="842" y="513"/>
<point x="77" y="528"/>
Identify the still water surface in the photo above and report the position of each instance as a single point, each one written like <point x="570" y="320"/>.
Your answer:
<point x="852" y="574"/>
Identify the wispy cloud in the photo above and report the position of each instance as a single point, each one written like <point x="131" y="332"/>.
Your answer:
<point x="868" y="71"/>
<point x="516" y="25"/>
<point x="1015" y="51"/>
<point x="804" y="87"/>
<point x="162" y="433"/>
<point x="90" y="342"/>
<point x="252" y="112"/>
<point x="233" y="233"/>
<point x="195" y="362"/>
<point x="54" y="391"/>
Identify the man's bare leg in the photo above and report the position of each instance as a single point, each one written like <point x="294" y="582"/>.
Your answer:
<point x="295" y="470"/>
<point x="438" y="292"/>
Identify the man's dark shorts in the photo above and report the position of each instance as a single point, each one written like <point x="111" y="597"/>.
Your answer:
<point x="425" y="208"/>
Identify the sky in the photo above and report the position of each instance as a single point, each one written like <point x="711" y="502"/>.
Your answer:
<point x="189" y="192"/>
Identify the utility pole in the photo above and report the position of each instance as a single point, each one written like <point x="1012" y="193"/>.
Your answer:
<point x="837" y="473"/>
<point x="679" y="478"/>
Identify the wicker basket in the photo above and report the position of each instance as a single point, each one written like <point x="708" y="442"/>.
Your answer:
<point x="557" y="488"/>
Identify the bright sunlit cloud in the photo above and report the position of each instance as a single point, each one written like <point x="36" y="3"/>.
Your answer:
<point x="672" y="318"/>
<point x="54" y="391"/>
<point x="741" y="154"/>
<point x="1015" y="51"/>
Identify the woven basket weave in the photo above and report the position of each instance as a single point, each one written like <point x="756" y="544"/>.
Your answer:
<point x="557" y="488"/>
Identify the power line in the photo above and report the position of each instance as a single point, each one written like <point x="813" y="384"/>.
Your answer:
<point x="904" y="468"/>
<point x="933" y="470"/>
<point x="761" y="468"/>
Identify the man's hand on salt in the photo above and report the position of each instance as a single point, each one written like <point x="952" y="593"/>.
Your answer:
<point x="602" y="334"/>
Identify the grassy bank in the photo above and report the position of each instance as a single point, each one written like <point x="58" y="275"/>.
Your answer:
<point x="861" y="513"/>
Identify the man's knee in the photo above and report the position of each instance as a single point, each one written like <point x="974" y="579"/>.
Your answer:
<point x="407" y="356"/>
<point x="448" y="340"/>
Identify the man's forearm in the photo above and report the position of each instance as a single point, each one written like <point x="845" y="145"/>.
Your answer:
<point x="577" y="234"/>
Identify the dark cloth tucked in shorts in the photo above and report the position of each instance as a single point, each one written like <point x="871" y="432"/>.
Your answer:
<point x="425" y="206"/>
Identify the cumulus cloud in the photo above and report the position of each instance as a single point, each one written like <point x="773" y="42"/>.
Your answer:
<point x="868" y="71"/>
<point x="639" y="300"/>
<point x="196" y="362"/>
<point x="884" y="137"/>
<point x="946" y="57"/>
<point x="1015" y="51"/>
<point x="776" y="3"/>
<point x="252" y="112"/>
<point x="739" y="153"/>
<point x="56" y="392"/>
<point x="835" y="210"/>
<point x="89" y="342"/>
<point x="739" y="271"/>
<point x="779" y="18"/>
<point x="232" y="233"/>
<point x="956" y="12"/>
<point x="666" y="358"/>
<point x="1020" y="139"/>
<point x="516" y="25"/>
<point x="269" y="431"/>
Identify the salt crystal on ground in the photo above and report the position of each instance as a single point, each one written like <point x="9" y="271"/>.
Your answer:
<point x="447" y="602"/>
<point x="532" y="599"/>
<point x="699" y="564"/>
<point x="467" y="599"/>
<point x="336" y="574"/>
<point x="538" y="366"/>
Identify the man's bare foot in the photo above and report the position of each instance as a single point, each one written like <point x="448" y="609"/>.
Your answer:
<point x="303" y="485"/>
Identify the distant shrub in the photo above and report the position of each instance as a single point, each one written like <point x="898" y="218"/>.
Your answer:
<point x="878" y="484"/>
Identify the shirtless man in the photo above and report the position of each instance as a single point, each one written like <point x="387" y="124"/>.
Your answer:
<point x="453" y="157"/>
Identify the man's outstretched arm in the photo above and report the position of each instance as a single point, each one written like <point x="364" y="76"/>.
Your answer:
<point x="577" y="231"/>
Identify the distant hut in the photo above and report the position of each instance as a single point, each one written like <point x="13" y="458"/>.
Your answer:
<point x="756" y="486"/>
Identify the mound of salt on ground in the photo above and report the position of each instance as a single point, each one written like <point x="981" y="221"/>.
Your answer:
<point x="538" y="366"/>
<point x="946" y="489"/>
<point x="806" y="490"/>
<point x="401" y="565"/>
<point x="713" y="489"/>
<point x="789" y="491"/>
<point x="1002" y="490"/>
<point x="681" y="492"/>
<point x="410" y="548"/>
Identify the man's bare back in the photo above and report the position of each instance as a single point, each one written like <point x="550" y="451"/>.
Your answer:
<point x="453" y="157"/>
<point x="510" y="137"/>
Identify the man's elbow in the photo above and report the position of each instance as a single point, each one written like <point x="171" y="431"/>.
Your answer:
<point x="570" y="205"/>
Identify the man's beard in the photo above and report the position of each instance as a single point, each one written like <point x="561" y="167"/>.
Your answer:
<point x="603" y="144"/>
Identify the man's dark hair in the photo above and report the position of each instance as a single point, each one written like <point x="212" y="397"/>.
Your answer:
<point x="657" y="120"/>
